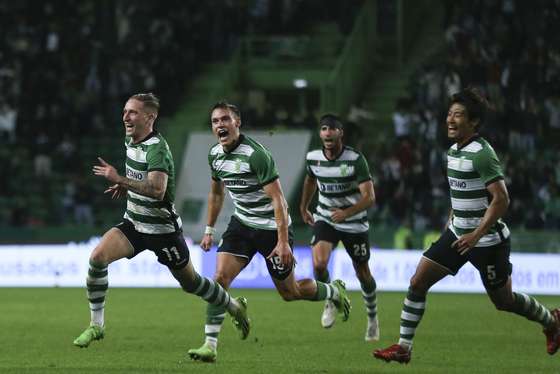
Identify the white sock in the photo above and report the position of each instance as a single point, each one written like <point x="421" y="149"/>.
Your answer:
<point x="211" y="342"/>
<point x="406" y="344"/>
<point x="98" y="317"/>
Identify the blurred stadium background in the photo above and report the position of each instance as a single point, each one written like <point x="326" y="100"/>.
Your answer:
<point x="66" y="68"/>
<point x="385" y="66"/>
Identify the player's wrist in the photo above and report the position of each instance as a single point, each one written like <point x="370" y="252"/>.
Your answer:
<point x="209" y="230"/>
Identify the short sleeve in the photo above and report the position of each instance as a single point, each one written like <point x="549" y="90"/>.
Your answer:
<point x="308" y="169"/>
<point x="263" y="166"/>
<point x="487" y="165"/>
<point x="362" y="170"/>
<point x="213" y="173"/>
<point x="158" y="159"/>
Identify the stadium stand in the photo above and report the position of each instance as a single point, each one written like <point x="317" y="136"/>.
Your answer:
<point x="66" y="67"/>
<point x="509" y="51"/>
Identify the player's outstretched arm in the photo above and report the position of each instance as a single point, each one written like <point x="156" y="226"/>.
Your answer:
<point x="282" y="249"/>
<point x="116" y="191"/>
<point x="308" y="190"/>
<point x="154" y="186"/>
<point x="215" y="203"/>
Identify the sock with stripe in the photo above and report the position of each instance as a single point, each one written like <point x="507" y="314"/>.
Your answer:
<point x="219" y="301"/>
<point x="370" y="297"/>
<point x="97" y="283"/>
<point x="411" y="315"/>
<point x="325" y="291"/>
<point x="214" y="318"/>
<point x="528" y="307"/>
<point x="213" y="293"/>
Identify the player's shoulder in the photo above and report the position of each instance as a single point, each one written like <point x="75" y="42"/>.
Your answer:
<point x="350" y="154"/>
<point x="315" y="155"/>
<point x="478" y="145"/>
<point x="250" y="147"/>
<point x="215" y="149"/>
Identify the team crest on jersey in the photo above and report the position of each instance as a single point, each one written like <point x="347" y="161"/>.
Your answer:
<point x="344" y="170"/>
<point x="237" y="166"/>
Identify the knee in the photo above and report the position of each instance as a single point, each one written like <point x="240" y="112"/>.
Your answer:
<point x="223" y="279"/>
<point x="99" y="257"/>
<point x="418" y="286"/>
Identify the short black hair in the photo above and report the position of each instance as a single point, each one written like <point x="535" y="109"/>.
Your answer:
<point x="227" y="106"/>
<point x="475" y="104"/>
<point x="331" y="120"/>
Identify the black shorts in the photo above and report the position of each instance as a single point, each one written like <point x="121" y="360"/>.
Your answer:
<point x="171" y="249"/>
<point x="244" y="241"/>
<point x="357" y="245"/>
<point x="492" y="262"/>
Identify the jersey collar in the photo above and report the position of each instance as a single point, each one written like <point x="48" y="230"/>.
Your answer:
<point x="150" y="135"/>
<point x="472" y="139"/>
<point x="239" y="141"/>
<point x="337" y="156"/>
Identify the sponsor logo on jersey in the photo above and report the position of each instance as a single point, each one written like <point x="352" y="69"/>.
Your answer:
<point x="454" y="183"/>
<point x="338" y="187"/>
<point x="137" y="175"/>
<point x="235" y="182"/>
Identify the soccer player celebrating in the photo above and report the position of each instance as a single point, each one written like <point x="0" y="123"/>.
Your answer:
<point x="475" y="232"/>
<point x="150" y="221"/>
<point x="345" y="192"/>
<point x="261" y="223"/>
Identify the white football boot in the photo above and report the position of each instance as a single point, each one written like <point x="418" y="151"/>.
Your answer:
<point x="329" y="314"/>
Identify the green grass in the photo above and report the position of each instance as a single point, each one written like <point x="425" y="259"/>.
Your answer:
<point x="150" y="330"/>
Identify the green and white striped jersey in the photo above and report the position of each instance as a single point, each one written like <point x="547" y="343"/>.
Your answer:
<point x="469" y="170"/>
<point x="149" y="215"/>
<point x="337" y="182"/>
<point x="244" y="171"/>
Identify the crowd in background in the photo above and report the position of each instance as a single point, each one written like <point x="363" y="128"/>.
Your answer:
<point x="67" y="67"/>
<point x="510" y="51"/>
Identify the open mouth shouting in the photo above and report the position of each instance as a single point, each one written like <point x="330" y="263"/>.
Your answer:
<point x="222" y="134"/>
<point x="129" y="127"/>
<point x="328" y="142"/>
<point x="452" y="130"/>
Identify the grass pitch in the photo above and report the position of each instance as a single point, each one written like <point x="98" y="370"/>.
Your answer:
<point x="150" y="330"/>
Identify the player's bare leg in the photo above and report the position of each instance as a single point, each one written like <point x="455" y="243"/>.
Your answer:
<point x="321" y="255"/>
<point x="369" y="287"/>
<point x="228" y="267"/>
<point x="113" y="246"/>
<point x="427" y="274"/>
<point x="529" y="307"/>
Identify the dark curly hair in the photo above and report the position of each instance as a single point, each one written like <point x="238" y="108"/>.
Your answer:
<point x="475" y="104"/>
